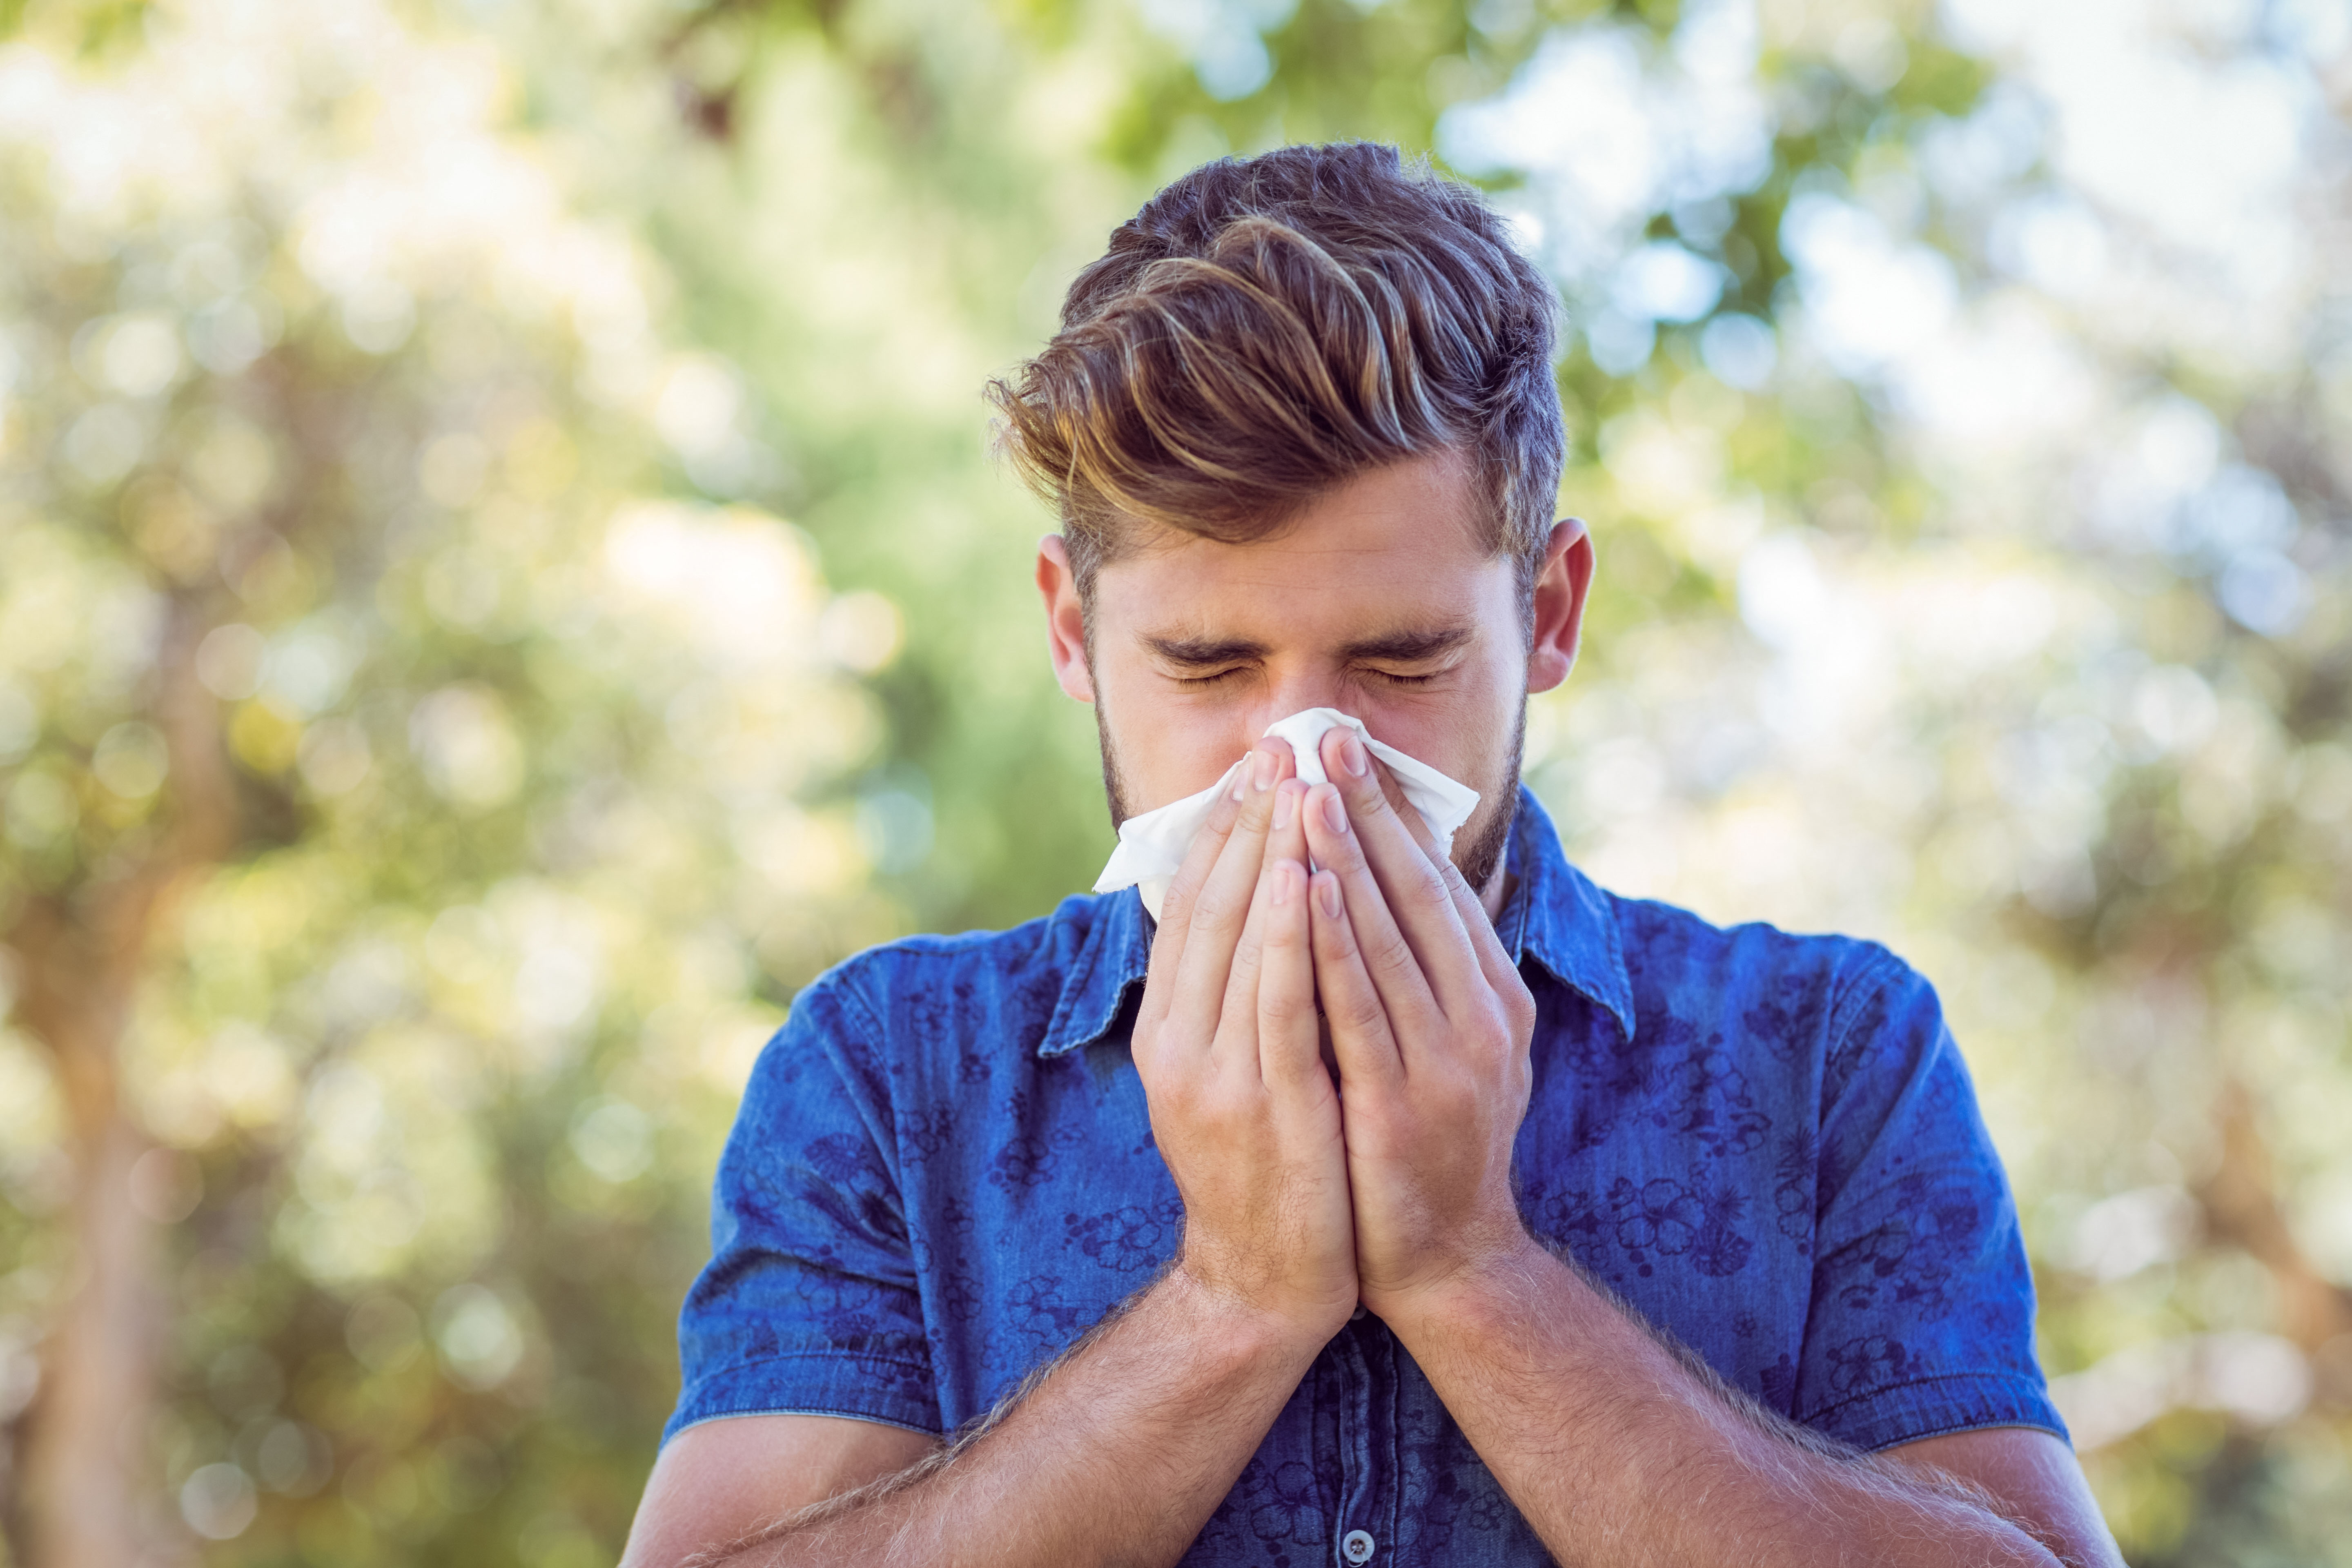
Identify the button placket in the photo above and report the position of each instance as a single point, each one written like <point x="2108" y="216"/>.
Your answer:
<point x="1357" y="1467"/>
<point x="1356" y="1548"/>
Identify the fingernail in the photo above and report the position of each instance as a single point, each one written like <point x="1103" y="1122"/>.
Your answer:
<point x="1327" y="893"/>
<point x="1351" y="757"/>
<point x="1335" y="815"/>
<point x="1261" y="769"/>
<point x="1285" y="806"/>
<point x="1282" y="880"/>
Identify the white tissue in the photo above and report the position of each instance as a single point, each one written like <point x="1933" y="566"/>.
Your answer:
<point x="1152" y="847"/>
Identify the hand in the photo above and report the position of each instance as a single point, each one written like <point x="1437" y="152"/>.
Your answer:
<point x="1429" y="1024"/>
<point x="1241" y="1107"/>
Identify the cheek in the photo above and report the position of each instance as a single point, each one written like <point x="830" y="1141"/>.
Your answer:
<point x="1463" y="730"/>
<point x="1167" y="749"/>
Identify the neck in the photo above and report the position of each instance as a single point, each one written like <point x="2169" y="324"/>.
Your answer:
<point x="1497" y="890"/>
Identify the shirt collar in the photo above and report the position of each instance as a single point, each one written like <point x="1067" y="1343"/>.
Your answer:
<point x="1558" y="918"/>
<point x="1555" y="916"/>
<point x="1111" y="960"/>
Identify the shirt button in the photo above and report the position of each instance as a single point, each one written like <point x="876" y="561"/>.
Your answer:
<point x="1356" y="1547"/>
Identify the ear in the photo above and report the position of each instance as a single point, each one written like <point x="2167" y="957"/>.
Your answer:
<point x="1066" y="626"/>
<point x="1563" y="585"/>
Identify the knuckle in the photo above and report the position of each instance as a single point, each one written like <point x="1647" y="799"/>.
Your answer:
<point x="1204" y="1099"/>
<point x="1427" y="886"/>
<point x="1379" y="1120"/>
<point x="1278" y="1009"/>
<point x="1361" y="1013"/>
<point x="1390" y="952"/>
<point x="1228" y="1104"/>
<point x="1212" y="907"/>
<point x="1335" y="940"/>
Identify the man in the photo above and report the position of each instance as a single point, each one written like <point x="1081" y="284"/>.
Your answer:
<point x="1373" y="1205"/>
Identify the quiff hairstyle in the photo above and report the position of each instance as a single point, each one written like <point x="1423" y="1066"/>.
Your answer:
<point x="1268" y="328"/>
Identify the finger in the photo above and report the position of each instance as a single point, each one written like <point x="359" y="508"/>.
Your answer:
<point x="1288" y="1048"/>
<point x="1221" y="909"/>
<point x="1285" y="837"/>
<point x="1494" y="960"/>
<point x="1242" y="978"/>
<point x="1392" y="794"/>
<point x="1362" y="1039"/>
<point x="1495" y="965"/>
<point x="1285" y="841"/>
<point x="1176" y="906"/>
<point x="1396" y="971"/>
<point x="1411" y="885"/>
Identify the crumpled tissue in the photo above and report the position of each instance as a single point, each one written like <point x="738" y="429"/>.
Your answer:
<point x="1151" y="846"/>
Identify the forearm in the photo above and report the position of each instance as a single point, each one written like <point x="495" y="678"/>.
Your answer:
<point x="1618" y="1453"/>
<point x="1118" y="1455"/>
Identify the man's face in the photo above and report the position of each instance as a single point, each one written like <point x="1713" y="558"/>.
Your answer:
<point x="1379" y="600"/>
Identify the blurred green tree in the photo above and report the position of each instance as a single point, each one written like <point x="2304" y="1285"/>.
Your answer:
<point x="395" y="784"/>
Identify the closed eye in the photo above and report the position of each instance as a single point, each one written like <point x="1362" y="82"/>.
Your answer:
<point x="1206" y="679"/>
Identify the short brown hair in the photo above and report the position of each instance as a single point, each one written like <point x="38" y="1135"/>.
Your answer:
<point x="1266" y="328"/>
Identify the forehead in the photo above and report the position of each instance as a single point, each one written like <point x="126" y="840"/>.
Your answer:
<point x="1399" y="549"/>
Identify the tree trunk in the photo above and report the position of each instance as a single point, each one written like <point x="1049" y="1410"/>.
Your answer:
<point x="84" y="1463"/>
<point x="84" y="1438"/>
<point x="83" y="1489"/>
<point x="2241" y="1207"/>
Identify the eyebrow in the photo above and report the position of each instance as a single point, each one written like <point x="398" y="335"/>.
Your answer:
<point x="1408" y="646"/>
<point x="1394" y="647"/>
<point x="1199" y="651"/>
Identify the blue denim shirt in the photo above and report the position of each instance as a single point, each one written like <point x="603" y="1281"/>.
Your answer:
<point x="943" y="1173"/>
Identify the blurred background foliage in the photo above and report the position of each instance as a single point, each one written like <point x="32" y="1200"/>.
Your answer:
<point x="501" y="580"/>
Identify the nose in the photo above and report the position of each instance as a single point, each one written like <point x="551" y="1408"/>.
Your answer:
<point x="1295" y="694"/>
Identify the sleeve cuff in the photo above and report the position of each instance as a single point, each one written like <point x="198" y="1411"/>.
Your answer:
<point x="1936" y="1406"/>
<point x="864" y="1388"/>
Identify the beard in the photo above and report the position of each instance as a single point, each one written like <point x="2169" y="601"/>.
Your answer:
<point x="1478" y="844"/>
<point x="1114" y="781"/>
<point x="1478" y="847"/>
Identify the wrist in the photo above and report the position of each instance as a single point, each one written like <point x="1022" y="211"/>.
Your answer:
<point x="1296" y="1328"/>
<point x="1488" y="1289"/>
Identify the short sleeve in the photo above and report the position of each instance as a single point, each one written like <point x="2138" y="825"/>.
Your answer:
<point x="1922" y="1315"/>
<point x="809" y="1304"/>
